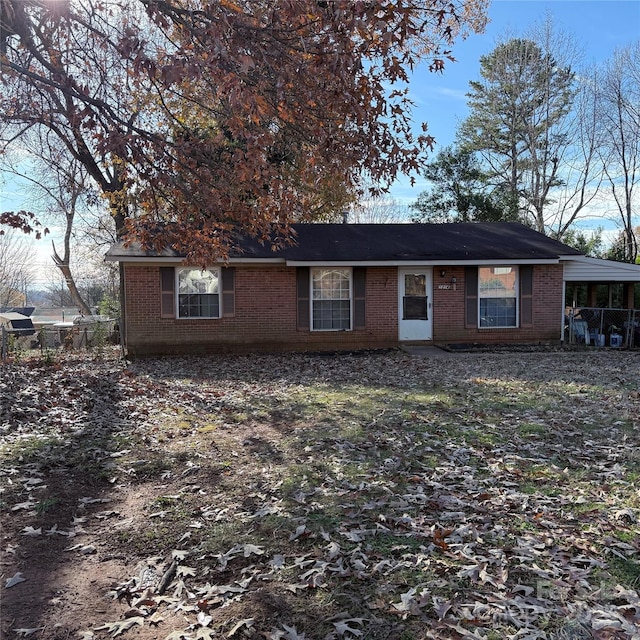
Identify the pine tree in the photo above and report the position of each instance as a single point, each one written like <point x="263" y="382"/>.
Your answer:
<point x="517" y="113"/>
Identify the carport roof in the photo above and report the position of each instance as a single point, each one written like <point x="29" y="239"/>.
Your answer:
<point x="585" y="269"/>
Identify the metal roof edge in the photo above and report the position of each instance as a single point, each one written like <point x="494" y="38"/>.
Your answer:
<point x="612" y="264"/>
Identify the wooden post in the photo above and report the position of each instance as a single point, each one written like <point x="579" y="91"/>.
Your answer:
<point x="627" y="295"/>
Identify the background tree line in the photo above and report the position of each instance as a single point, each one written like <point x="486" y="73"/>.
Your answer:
<point x="545" y="143"/>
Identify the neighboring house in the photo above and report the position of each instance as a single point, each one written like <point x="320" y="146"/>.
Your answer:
<point x="345" y="286"/>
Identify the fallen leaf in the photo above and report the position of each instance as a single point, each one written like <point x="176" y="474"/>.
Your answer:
<point x="155" y="619"/>
<point x="343" y="627"/>
<point x="277" y="562"/>
<point x="30" y="531"/>
<point x="185" y="571"/>
<point x="23" y="505"/>
<point x="204" y="619"/>
<point x="119" y="627"/>
<point x="13" y="581"/>
<point x="247" y="622"/>
<point x="249" y="549"/>
<point x="292" y="633"/>
<point x="298" y="532"/>
<point x="84" y="549"/>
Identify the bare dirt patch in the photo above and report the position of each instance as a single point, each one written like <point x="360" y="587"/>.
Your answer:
<point x="379" y="495"/>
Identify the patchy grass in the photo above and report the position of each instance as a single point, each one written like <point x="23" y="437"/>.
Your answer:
<point x="376" y="495"/>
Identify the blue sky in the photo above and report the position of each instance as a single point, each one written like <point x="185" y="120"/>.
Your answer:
<point x="598" y="27"/>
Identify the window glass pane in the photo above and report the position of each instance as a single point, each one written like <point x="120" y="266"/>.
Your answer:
<point x="415" y="284"/>
<point x="331" y="314"/>
<point x="198" y="295"/>
<point x="197" y="281"/>
<point x="498" y="296"/>
<point x="497" y="285"/>
<point x="331" y="284"/>
<point x="414" y="308"/>
<point x="198" y="306"/>
<point x="497" y="312"/>
<point x="331" y="299"/>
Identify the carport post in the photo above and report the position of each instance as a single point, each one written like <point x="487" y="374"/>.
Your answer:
<point x="628" y="291"/>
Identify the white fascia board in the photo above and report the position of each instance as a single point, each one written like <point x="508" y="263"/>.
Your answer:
<point x="413" y="263"/>
<point x="178" y="260"/>
<point x="141" y="259"/>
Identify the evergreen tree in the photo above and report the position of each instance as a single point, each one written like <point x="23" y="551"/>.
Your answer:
<point x="517" y="115"/>
<point x="460" y="192"/>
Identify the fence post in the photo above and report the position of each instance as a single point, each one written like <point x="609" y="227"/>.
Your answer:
<point x="4" y="343"/>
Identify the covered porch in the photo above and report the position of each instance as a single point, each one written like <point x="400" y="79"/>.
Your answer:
<point x="602" y="303"/>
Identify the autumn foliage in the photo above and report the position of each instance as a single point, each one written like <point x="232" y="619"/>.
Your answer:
<point x="225" y="116"/>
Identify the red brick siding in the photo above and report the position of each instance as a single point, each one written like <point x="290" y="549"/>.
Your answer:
<point x="448" y="310"/>
<point x="265" y="314"/>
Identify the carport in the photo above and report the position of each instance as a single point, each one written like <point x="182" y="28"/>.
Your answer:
<point x="602" y="299"/>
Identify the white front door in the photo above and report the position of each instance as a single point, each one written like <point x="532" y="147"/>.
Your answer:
<point x="414" y="303"/>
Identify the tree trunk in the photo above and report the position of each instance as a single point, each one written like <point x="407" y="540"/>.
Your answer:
<point x="73" y="289"/>
<point x="65" y="269"/>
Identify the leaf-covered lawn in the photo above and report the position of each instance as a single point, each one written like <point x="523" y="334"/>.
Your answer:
<point x="373" y="495"/>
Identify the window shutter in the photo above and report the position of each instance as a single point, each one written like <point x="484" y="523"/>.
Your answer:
<point x="471" y="296"/>
<point x="526" y="296"/>
<point x="228" y="278"/>
<point x="167" y="295"/>
<point x="302" y="276"/>
<point x="359" y="298"/>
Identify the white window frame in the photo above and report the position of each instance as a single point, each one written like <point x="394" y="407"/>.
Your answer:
<point x="316" y="270"/>
<point x="498" y="271"/>
<point x="213" y="270"/>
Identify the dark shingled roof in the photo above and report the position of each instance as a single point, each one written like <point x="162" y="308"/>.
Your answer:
<point x="395" y="242"/>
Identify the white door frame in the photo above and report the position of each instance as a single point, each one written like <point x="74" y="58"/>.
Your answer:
<point x="412" y="330"/>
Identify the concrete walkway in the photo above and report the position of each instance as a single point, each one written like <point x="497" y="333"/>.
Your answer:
<point x="427" y="351"/>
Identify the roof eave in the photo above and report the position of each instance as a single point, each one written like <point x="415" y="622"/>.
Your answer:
<point x="180" y="260"/>
<point x="418" y="262"/>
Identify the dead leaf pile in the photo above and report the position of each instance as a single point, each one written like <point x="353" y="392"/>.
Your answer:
<point x="371" y="495"/>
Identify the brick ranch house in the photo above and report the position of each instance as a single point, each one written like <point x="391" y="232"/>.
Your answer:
<point x="352" y="286"/>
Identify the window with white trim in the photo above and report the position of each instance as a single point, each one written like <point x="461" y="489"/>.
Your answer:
<point x="331" y="299"/>
<point x="498" y="296"/>
<point x="198" y="293"/>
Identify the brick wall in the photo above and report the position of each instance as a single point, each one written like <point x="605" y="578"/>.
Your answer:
<point x="265" y="314"/>
<point x="449" y="310"/>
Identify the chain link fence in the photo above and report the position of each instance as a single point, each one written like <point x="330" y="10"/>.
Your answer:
<point x="597" y="327"/>
<point x="87" y="333"/>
